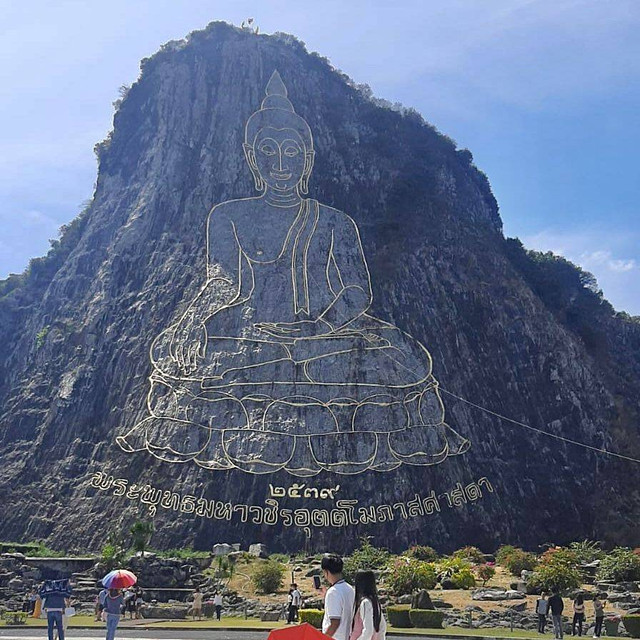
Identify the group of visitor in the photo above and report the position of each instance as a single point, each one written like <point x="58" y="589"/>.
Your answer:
<point x="131" y="602"/>
<point x="351" y="614"/>
<point x="196" y="610"/>
<point x="555" y="606"/>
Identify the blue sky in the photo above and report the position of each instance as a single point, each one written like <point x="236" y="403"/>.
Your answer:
<point x="545" y="93"/>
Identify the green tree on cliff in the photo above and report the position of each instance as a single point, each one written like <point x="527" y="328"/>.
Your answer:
<point x="141" y="532"/>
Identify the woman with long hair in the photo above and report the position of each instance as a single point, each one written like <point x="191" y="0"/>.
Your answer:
<point x="368" y="621"/>
<point x="578" y="615"/>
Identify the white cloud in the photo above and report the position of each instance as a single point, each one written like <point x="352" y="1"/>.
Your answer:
<point x="602" y="258"/>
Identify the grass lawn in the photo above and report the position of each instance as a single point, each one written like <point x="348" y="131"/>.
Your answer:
<point x="88" y="621"/>
<point x="253" y="623"/>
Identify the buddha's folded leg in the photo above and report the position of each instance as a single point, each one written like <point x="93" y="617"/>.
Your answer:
<point x="240" y="357"/>
<point x="387" y="357"/>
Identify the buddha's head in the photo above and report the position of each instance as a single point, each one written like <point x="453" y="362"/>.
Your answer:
<point x="278" y="143"/>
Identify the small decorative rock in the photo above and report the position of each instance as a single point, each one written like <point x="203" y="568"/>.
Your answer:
<point x="258" y="550"/>
<point x="422" y="600"/>
<point x="222" y="549"/>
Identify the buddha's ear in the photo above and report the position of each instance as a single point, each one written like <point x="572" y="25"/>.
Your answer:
<point x="309" y="157"/>
<point x="250" y="155"/>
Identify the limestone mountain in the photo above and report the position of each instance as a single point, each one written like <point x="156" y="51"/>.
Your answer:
<point x="525" y="335"/>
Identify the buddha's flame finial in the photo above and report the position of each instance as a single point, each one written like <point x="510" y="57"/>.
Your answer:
<point x="275" y="86"/>
<point x="276" y="97"/>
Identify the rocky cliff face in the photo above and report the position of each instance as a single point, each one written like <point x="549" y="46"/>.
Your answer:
<point x="77" y="327"/>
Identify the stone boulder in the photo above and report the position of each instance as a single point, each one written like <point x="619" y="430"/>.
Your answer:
<point x="421" y="600"/>
<point x="438" y="603"/>
<point x="174" y="612"/>
<point x="496" y="594"/>
<point x="222" y="549"/>
<point x="258" y="550"/>
<point x="16" y="583"/>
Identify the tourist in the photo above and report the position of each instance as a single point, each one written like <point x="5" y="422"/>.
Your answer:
<point x="368" y="621"/>
<point x="139" y="602"/>
<point x="26" y="604"/>
<point x="102" y="596"/>
<point x="542" y="609"/>
<point x="556" y="606"/>
<point x="32" y="602"/>
<point x="338" y="600"/>
<point x="217" y="603"/>
<point x="54" y="603"/>
<point x="598" y="610"/>
<point x="578" y="615"/>
<point x="112" y="607"/>
<point x="197" y="604"/>
<point x="130" y="602"/>
<point x="294" y="600"/>
<point x="66" y="614"/>
<point x="98" y="605"/>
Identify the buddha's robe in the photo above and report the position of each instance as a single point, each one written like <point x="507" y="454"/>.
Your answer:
<point x="319" y="273"/>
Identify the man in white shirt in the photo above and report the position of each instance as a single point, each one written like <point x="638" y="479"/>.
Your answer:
<point x="295" y="600"/>
<point x="217" y="603"/>
<point x="338" y="599"/>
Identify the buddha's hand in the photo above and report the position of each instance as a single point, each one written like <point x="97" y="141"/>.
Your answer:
<point x="188" y="345"/>
<point x="290" y="331"/>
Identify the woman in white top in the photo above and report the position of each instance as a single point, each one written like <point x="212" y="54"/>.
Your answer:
<point x="368" y="621"/>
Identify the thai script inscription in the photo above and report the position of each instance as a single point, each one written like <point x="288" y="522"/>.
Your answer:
<point x="345" y="513"/>
<point x="296" y="491"/>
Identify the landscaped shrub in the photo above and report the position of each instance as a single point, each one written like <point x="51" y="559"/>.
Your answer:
<point x="367" y="557"/>
<point x="268" y="576"/>
<point x="621" y="565"/>
<point x="426" y="618"/>
<point x="485" y="572"/>
<point x="472" y="554"/>
<point x="463" y="579"/>
<point x="632" y="625"/>
<point x="398" y="616"/>
<point x="558" y="568"/>
<point x="279" y="557"/>
<point x="312" y="616"/>
<point x="422" y="552"/>
<point x="408" y="575"/>
<point x="503" y="553"/>
<point x="587" y="551"/>
<point x="519" y="560"/>
<point x="457" y="571"/>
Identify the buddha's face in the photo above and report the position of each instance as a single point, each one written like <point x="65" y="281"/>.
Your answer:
<point x="280" y="157"/>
